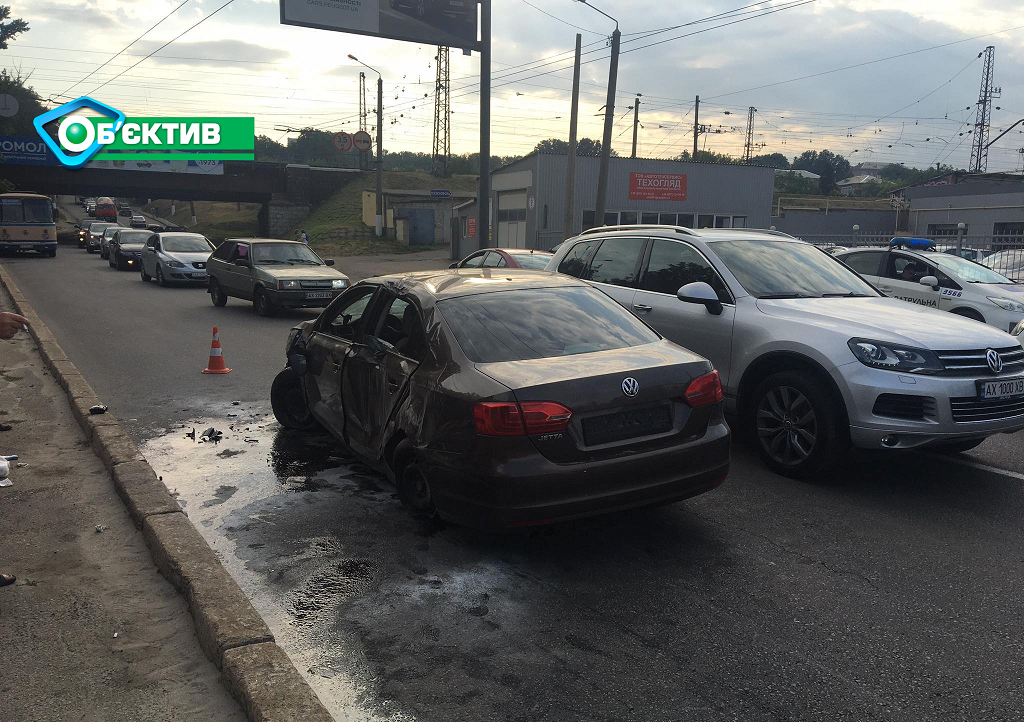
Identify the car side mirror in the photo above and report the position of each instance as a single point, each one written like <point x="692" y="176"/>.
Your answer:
<point x="702" y="293"/>
<point x="329" y="261"/>
<point x="454" y="265"/>
<point x="930" y="281"/>
<point x="241" y="262"/>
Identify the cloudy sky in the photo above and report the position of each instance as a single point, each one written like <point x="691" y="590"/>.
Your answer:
<point x="916" y="108"/>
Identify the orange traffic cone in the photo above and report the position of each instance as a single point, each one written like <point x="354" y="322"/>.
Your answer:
<point x="216" y="365"/>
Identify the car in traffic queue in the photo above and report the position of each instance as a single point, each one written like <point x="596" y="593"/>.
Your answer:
<point x="814" y="360"/>
<point x="137" y="221"/>
<point x="173" y="258"/>
<point x="124" y="209"/>
<point x="912" y="270"/>
<point x="506" y="398"/>
<point x="94" y="239"/>
<point x="125" y="248"/>
<point x="273" y="274"/>
<point x="105" y="237"/>
<point x="83" y="231"/>
<point x="1009" y="262"/>
<point x="505" y="258"/>
<point x="105" y="210"/>
<point x="90" y="208"/>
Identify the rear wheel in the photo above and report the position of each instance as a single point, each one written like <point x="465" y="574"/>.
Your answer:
<point x="414" y="490"/>
<point x="289" y="403"/>
<point x="796" y="425"/>
<point x="160" y="280"/>
<point x="262" y="303"/>
<point x="217" y="294"/>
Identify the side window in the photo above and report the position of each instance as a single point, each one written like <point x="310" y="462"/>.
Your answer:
<point x="616" y="261"/>
<point x="345" y="320"/>
<point x="241" y="251"/>
<point x="401" y="330"/>
<point x="492" y="259"/>
<point x="672" y="265"/>
<point x="223" y="251"/>
<point x="865" y="263"/>
<point x="905" y="268"/>
<point x="575" y="261"/>
<point x="151" y="243"/>
<point x="474" y="261"/>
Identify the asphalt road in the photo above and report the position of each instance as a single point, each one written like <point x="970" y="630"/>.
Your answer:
<point x="888" y="591"/>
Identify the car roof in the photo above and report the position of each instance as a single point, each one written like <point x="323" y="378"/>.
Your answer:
<point x="454" y="282"/>
<point x="263" y="240"/>
<point x="705" y="234"/>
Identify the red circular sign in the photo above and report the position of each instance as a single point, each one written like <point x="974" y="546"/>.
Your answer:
<point x="362" y="140"/>
<point x="342" y="142"/>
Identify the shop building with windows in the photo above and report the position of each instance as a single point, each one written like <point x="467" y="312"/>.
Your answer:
<point x="990" y="205"/>
<point x="528" y="197"/>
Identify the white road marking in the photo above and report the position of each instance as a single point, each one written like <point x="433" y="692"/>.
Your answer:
<point x="978" y="465"/>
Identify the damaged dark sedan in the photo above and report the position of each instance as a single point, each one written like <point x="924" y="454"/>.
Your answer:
<point x="502" y="398"/>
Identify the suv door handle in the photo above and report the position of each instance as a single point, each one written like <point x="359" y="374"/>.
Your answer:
<point x="643" y="308"/>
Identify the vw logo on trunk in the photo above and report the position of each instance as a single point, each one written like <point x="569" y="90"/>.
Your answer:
<point x="995" y="361"/>
<point x="630" y="386"/>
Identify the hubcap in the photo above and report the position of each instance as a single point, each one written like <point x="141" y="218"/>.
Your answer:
<point x="786" y="425"/>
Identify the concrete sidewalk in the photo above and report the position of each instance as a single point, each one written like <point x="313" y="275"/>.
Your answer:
<point x="78" y="588"/>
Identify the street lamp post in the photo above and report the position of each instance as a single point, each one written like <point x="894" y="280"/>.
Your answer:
<point x="960" y="227"/>
<point x="380" y="141"/>
<point x="609" y="117"/>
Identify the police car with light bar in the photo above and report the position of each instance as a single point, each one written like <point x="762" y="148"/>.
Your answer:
<point x="912" y="270"/>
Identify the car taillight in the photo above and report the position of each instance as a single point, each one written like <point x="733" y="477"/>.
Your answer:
<point x="507" y="418"/>
<point x="704" y="390"/>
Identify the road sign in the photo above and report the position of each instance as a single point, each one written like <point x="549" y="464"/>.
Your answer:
<point x="8" y="106"/>
<point x="440" y="193"/>
<point x="342" y="142"/>
<point x="362" y="140"/>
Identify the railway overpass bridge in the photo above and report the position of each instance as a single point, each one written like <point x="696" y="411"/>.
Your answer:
<point x="286" y="192"/>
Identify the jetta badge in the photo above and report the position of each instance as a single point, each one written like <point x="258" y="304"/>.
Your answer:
<point x="995" y="362"/>
<point x="630" y="386"/>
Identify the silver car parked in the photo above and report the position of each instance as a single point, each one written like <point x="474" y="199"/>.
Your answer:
<point x="813" y="360"/>
<point x="176" y="258"/>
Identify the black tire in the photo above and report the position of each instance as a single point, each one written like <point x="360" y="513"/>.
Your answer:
<point x="414" y="490"/>
<point x="289" y="403"/>
<point x="110" y="260"/>
<point x="52" y="254"/>
<point x="795" y="422"/>
<point x="142" y="271"/>
<point x="217" y="294"/>
<point x="262" y="303"/>
<point x="969" y="313"/>
<point x="160" y="280"/>
<point x="958" y="447"/>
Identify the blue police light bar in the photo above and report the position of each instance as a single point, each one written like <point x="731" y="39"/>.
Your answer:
<point x="920" y="243"/>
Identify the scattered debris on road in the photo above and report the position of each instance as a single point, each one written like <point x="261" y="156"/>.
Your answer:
<point x="98" y="409"/>
<point x="211" y="434"/>
<point x="100" y="528"/>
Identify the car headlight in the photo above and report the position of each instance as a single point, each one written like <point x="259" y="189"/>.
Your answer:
<point x="175" y="264"/>
<point x="338" y="283"/>
<point x="882" y="355"/>
<point x="287" y="285"/>
<point x="1007" y="304"/>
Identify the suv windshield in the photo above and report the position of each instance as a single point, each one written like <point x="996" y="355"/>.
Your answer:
<point x="966" y="270"/>
<point x="541" y="323"/>
<point x="788" y="269"/>
<point x="185" y="244"/>
<point x="275" y="254"/>
<point x="126" y="237"/>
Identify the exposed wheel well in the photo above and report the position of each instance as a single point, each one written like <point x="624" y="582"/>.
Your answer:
<point x="968" y="313"/>
<point x="765" y="366"/>
<point x="393" y="455"/>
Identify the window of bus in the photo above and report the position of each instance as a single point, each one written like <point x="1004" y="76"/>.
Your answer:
<point x="37" y="210"/>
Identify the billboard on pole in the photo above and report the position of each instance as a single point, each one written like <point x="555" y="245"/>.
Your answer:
<point x="434" y="22"/>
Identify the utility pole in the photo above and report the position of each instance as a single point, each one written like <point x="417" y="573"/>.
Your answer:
<point x="636" y="122"/>
<point x="364" y="161"/>
<point x="749" y="144"/>
<point x="979" y="149"/>
<point x="696" y="126"/>
<point x="483" y="191"/>
<point x="380" y="142"/>
<point x="568" y="227"/>
<point x="442" y="117"/>
<point x="609" y="117"/>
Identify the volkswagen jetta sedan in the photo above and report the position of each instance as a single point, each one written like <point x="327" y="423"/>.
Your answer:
<point x="511" y="398"/>
<point x="813" y="359"/>
<point x="175" y="258"/>
<point x="272" y="274"/>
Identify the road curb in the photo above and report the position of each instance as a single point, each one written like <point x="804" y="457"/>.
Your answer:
<point x="256" y="671"/>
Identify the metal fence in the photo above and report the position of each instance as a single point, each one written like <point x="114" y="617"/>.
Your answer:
<point x="980" y="244"/>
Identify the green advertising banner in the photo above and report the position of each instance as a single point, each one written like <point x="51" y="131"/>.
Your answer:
<point x="170" y="138"/>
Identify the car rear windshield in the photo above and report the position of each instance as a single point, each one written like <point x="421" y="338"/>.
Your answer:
<point x="281" y="254"/>
<point x="788" y="269"/>
<point x="535" y="261"/>
<point x="133" y="237"/>
<point x="185" y="244"/>
<point x="541" y="323"/>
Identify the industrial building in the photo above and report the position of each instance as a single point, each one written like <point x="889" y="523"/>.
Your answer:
<point x="528" y="198"/>
<point x="990" y="205"/>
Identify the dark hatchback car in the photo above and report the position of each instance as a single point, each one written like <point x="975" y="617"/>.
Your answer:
<point x="511" y="398"/>
<point x="126" y="249"/>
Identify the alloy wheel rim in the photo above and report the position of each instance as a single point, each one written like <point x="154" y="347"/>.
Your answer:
<point x="787" y="426"/>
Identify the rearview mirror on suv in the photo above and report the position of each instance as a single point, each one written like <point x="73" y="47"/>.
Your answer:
<point x="930" y="281"/>
<point x="700" y="292"/>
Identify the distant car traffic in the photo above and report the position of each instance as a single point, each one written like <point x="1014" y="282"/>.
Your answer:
<point x="105" y="210"/>
<point x="910" y="270"/>
<point x="813" y="359"/>
<point x="506" y="400"/>
<point x="176" y="258"/>
<point x="94" y="240"/>
<point x="90" y="208"/>
<point x="137" y="221"/>
<point x="125" y="251"/>
<point x="83" y="232"/>
<point x="505" y="258"/>
<point x="108" y="233"/>
<point x="123" y="209"/>
<point x="272" y="274"/>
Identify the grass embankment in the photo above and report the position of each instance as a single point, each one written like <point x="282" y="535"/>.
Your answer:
<point x="214" y="220"/>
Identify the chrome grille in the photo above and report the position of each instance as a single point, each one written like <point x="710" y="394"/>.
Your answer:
<point x="905" y="406"/>
<point x="199" y="264"/>
<point x="972" y="362"/>
<point x="970" y="408"/>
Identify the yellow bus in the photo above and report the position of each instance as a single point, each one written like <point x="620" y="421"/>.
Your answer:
<point x="26" y="223"/>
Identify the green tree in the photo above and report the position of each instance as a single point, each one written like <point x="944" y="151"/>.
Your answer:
<point x="585" y="147"/>
<point x="772" y="160"/>
<point x="707" y="156"/>
<point x="830" y="166"/>
<point x="269" y="149"/>
<point x="12" y="29"/>
<point x="793" y="184"/>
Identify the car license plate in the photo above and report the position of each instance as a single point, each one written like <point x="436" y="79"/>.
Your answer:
<point x="627" y="425"/>
<point x="1002" y="389"/>
<point x="198" y="275"/>
<point x="319" y="294"/>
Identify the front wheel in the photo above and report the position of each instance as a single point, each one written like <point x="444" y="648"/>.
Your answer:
<point x="90" y="249"/>
<point x="796" y="424"/>
<point x="289" y="403"/>
<point x="262" y="303"/>
<point x="120" y="263"/>
<point x="142" y="270"/>
<point x="160" y="280"/>
<point x="217" y="294"/>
